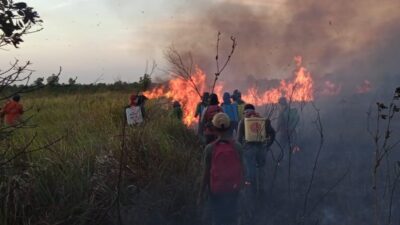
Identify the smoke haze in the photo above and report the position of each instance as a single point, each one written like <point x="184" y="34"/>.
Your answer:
<point x="341" y="41"/>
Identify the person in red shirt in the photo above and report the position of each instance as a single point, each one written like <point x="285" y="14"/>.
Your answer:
<point x="133" y="100"/>
<point x="12" y="111"/>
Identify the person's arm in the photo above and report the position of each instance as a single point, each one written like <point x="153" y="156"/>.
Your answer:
<point x="240" y="132"/>
<point x="205" y="179"/>
<point x="180" y="113"/>
<point x="202" y="115"/>
<point x="270" y="131"/>
<point x="197" y="112"/>
<point x="236" y="111"/>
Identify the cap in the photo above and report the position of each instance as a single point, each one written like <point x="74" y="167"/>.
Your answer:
<point x="221" y="121"/>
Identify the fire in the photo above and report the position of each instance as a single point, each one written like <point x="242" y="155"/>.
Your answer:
<point x="365" y="87"/>
<point x="298" y="90"/>
<point x="183" y="91"/>
<point x="331" y="89"/>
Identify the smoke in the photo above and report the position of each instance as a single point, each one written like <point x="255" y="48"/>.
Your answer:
<point x="342" y="41"/>
<point x="349" y="47"/>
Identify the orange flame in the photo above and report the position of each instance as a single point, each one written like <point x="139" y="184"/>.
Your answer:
<point x="183" y="91"/>
<point x="331" y="89"/>
<point x="365" y="87"/>
<point x="298" y="90"/>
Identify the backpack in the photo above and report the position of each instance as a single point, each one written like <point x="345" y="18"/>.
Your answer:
<point x="209" y="113"/>
<point x="254" y="128"/>
<point x="134" y="115"/>
<point x="226" y="174"/>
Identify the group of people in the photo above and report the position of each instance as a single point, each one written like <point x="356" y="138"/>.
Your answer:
<point x="236" y="140"/>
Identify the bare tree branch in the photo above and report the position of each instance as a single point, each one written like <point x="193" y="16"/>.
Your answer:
<point x="219" y="71"/>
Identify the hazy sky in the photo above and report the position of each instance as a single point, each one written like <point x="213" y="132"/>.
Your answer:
<point x="109" y="38"/>
<point x="90" y="38"/>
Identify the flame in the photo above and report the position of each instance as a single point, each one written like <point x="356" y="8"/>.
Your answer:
<point x="331" y="88"/>
<point x="365" y="87"/>
<point x="183" y="91"/>
<point x="298" y="90"/>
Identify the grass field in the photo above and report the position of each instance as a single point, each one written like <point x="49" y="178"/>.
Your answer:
<point x="76" y="180"/>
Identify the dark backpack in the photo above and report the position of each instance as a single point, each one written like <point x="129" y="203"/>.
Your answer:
<point x="226" y="173"/>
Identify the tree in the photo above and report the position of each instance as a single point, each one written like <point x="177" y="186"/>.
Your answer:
<point x="39" y="81"/>
<point x="53" y="80"/>
<point x="145" y="82"/>
<point x="16" y="20"/>
<point x="72" y="81"/>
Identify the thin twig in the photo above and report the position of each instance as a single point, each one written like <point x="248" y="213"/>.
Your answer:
<point x="319" y="126"/>
<point x="219" y="71"/>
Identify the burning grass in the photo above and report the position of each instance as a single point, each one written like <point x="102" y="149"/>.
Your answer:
<point x="299" y="89"/>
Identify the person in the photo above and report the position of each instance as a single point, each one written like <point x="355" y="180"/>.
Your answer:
<point x="223" y="171"/>
<point x="135" y="111"/>
<point x="133" y="99"/>
<point x="254" y="148"/>
<point x="288" y="120"/>
<point x="141" y="100"/>
<point x="12" y="111"/>
<point x="199" y="110"/>
<point x="177" y="110"/>
<point x="231" y="109"/>
<point x="237" y="98"/>
<point x="206" y="119"/>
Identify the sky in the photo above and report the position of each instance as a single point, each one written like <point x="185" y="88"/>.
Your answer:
<point x="92" y="39"/>
<point x="110" y="40"/>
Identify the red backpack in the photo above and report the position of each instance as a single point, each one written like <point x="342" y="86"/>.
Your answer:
<point x="210" y="112"/>
<point x="226" y="173"/>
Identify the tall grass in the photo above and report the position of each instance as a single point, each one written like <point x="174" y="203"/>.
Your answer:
<point x="75" y="180"/>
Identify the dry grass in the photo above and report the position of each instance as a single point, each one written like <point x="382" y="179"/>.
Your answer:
<point x="75" y="180"/>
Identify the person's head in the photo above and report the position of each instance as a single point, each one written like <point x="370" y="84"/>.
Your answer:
<point x="221" y="122"/>
<point x="249" y="109"/>
<point x="213" y="100"/>
<point x="176" y="104"/>
<point x="235" y="95"/>
<point x="282" y="102"/>
<point x="205" y="97"/>
<point x="16" y="98"/>
<point x="227" y="98"/>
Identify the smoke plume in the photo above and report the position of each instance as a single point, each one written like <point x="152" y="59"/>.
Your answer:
<point x="341" y="41"/>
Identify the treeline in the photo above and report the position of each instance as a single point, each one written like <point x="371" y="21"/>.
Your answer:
<point x="54" y="87"/>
